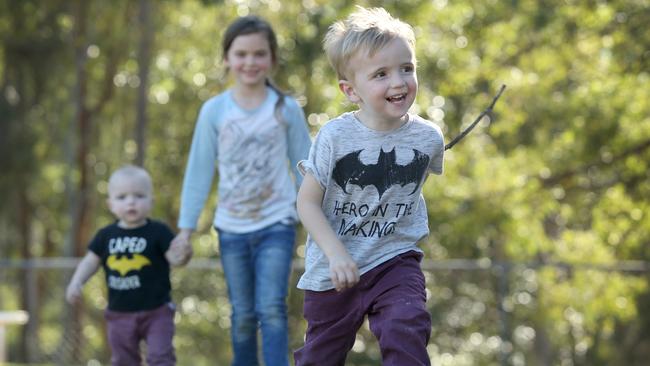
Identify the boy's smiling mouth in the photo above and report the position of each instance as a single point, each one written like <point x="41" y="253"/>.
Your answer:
<point x="397" y="98"/>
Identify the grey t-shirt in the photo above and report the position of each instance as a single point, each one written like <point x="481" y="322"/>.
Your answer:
<point x="372" y="182"/>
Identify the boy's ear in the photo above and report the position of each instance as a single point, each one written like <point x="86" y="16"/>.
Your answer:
<point x="348" y="90"/>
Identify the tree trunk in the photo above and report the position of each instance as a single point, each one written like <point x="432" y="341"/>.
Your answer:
<point x="77" y="192"/>
<point x="144" y="57"/>
<point x="29" y="288"/>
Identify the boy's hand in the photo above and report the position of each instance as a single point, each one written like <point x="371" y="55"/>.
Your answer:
<point x="343" y="271"/>
<point x="73" y="292"/>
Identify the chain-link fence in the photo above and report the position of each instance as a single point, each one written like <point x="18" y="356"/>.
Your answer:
<point x="484" y="313"/>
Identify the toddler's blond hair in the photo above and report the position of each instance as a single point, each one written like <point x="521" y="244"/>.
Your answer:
<point x="131" y="172"/>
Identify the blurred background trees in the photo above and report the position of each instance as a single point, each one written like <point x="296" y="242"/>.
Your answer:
<point x="548" y="198"/>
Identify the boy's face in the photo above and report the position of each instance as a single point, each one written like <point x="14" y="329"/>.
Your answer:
<point x="130" y="200"/>
<point x="384" y="85"/>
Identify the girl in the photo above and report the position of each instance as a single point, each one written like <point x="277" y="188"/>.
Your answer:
<point x="256" y="134"/>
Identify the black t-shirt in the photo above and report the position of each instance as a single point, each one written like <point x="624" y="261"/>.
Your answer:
<point x="137" y="272"/>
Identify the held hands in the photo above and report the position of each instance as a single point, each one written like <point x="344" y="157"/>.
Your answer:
<point x="343" y="271"/>
<point x="180" y="250"/>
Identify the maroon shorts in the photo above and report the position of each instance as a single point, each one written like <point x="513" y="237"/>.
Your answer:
<point x="127" y="329"/>
<point x="393" y="297"/>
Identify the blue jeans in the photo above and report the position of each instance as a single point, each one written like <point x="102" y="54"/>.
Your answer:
<point x="257" y="266"/>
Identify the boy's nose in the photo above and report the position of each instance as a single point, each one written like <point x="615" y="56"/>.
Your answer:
<point x="397" y="81"/>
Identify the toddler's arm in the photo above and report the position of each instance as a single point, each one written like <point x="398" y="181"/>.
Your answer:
<point x="343" y="270"/>
<point x="86" y="268"/>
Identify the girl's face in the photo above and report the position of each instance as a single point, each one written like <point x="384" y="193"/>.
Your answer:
<point x="249" y="59"/>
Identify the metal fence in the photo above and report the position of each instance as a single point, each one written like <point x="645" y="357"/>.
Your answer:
<point x="480" y="310"/>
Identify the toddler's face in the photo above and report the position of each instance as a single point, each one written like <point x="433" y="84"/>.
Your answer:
<point x="130" y="200"/>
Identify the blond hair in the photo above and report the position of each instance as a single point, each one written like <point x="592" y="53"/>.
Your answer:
<point x="365" y="30"/>
<point x="131" y="172"/>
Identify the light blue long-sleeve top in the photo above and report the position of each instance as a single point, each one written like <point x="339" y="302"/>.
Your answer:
<point x="256" y="157"/>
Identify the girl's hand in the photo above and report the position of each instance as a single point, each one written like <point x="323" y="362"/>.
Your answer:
<point x="344" y="272"/>
<point x="180" y="250"/>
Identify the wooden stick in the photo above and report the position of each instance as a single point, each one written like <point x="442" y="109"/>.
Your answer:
<point x="477" y="120"/>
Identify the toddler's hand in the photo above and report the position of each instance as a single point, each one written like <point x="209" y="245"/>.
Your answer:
<point x="73" y="293"/>
<point x="343" y="271"/>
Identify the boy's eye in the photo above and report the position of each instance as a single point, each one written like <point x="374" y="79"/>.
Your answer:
<point x="140" y="195"/>
<point x="260" y="53"/>
<point x="380" y="74"/>
<point x="408" y="68"/>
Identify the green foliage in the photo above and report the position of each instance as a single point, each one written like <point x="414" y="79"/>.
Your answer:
<point x="557" y="174"/>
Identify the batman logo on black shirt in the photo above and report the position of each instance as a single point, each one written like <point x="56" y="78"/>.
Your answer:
<point x="383" y="175"/>
<point x="125" y="265"/>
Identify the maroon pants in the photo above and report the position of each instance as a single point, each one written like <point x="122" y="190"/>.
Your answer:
<point x="155" y="327"/>
<point x="393" y="297"/>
